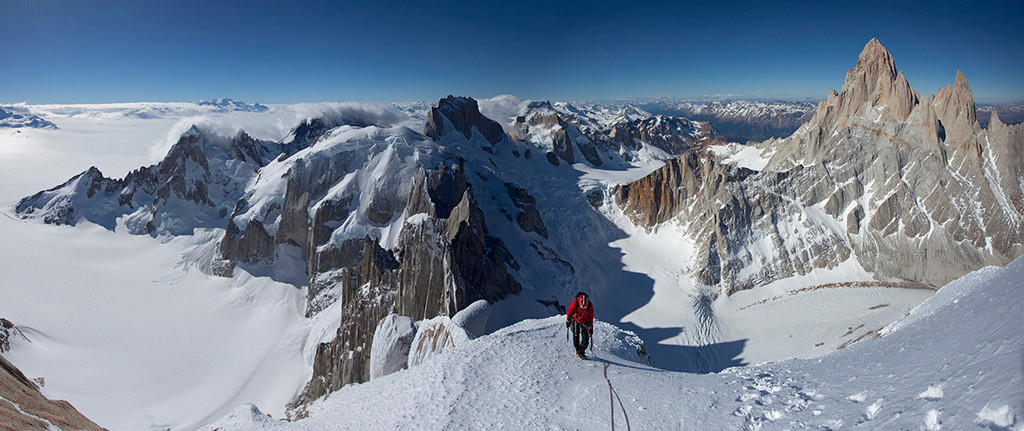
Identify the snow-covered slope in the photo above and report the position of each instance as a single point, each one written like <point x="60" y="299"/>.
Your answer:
<point x="953" y="363"/>
<point x="337" y="215"/>
<point x="586" y="244"/>
<point x="125" y="327"/>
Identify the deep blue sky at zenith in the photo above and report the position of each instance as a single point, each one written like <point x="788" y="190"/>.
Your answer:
<point x="76" y="51"/>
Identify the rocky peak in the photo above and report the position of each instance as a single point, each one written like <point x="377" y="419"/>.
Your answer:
<point x="955" y="101"/>
<point x="874" y="83"/>
<point x="995" y="122"/>
<point x="924" y="193"/>
<point x="875" y="61"/>
<point x="464" y="114"/>
<point x="303" y="135"/>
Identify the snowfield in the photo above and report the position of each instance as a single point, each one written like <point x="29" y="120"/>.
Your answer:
<point x="136" y="334"/>
<point x="955" y="363"/>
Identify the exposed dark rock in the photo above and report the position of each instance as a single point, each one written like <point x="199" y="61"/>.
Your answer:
<point x="529" y="218"/>
<point x="464" y="115"/>
<point x="595" y="197"/>
<point x="552" y="158"/>
<point x="563" y="145"/>
<point x="6" y="330"/>
<point x="441" y="264"/>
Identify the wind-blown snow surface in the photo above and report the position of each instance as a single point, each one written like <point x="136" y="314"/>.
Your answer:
<point x="954" y="363"/>
<point x="136" y="337"/>
<point x="126" y="327"/>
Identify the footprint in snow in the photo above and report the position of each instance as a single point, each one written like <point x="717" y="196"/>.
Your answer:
<point x="933" y="393"/>
<point x="931" y="420"/>
<point x="871" y="411"/>
<point x="858" y="398"/>
<point x="997" y="418"/>
<point x="772" y="415"/>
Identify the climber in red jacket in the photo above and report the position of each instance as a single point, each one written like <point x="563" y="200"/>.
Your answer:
<point x="580" y="317"/>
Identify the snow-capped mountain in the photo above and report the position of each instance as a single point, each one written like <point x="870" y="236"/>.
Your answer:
<point x="910" y="187"/>
<point x="15" y="117"/>
<point x="740" y="120"/>
<point x="147" y="110"/>
<point x="227" y="105"/>
<point x="194" y="186"/>
<point x="386" y="219"/>
<point x="438" y="223"/>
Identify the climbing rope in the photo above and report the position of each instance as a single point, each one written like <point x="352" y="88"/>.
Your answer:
<point x="613" y="395"/>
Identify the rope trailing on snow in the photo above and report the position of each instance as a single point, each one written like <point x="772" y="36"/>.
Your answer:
<point x="611" y="392"/>
<point x="613" y="395"/>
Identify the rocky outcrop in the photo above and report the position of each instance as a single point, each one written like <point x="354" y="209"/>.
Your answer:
<point x="910" y="185"/>
<point x="674" y="135"/>
<point x="23" y="408"/>
<point x="740" y="221"/>
<point x="443" y="259"/>
<point x="528" y="217"/>
<point x="563" y="136"/>
<point x="439" y="266"/>
<point x="7" y="331"/>
<point x="464" y="115"/>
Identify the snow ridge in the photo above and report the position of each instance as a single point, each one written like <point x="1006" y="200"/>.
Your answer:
<point x="966" y="345"/>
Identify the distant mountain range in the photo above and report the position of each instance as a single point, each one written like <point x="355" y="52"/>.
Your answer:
<point x="16" y="117"/>
<point x="228" y="105"/>
<point x="515" y="202"/>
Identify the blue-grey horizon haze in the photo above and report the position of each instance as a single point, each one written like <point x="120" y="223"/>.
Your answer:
<point x="59" y="51"/>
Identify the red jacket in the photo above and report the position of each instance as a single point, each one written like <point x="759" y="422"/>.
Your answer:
<point x="579" y="314"/>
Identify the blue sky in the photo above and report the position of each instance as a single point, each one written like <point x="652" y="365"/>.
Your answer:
<point x="82" y="51"/>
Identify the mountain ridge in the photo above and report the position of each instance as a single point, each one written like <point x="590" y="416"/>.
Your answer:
<point x="891" y="171"/>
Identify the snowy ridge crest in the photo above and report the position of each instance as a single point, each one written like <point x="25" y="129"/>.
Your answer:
<point x="877" y="383"/>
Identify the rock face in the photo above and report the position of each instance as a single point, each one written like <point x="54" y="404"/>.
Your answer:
<point x="443" y="259"/>
<point x="8" y="330"/>
<point x="911" y="186"/>
<point x="22" y="407"/>
<point x="528" y="218"/>
<point x="463" y="114"/>
<point x="742" y="221"/>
